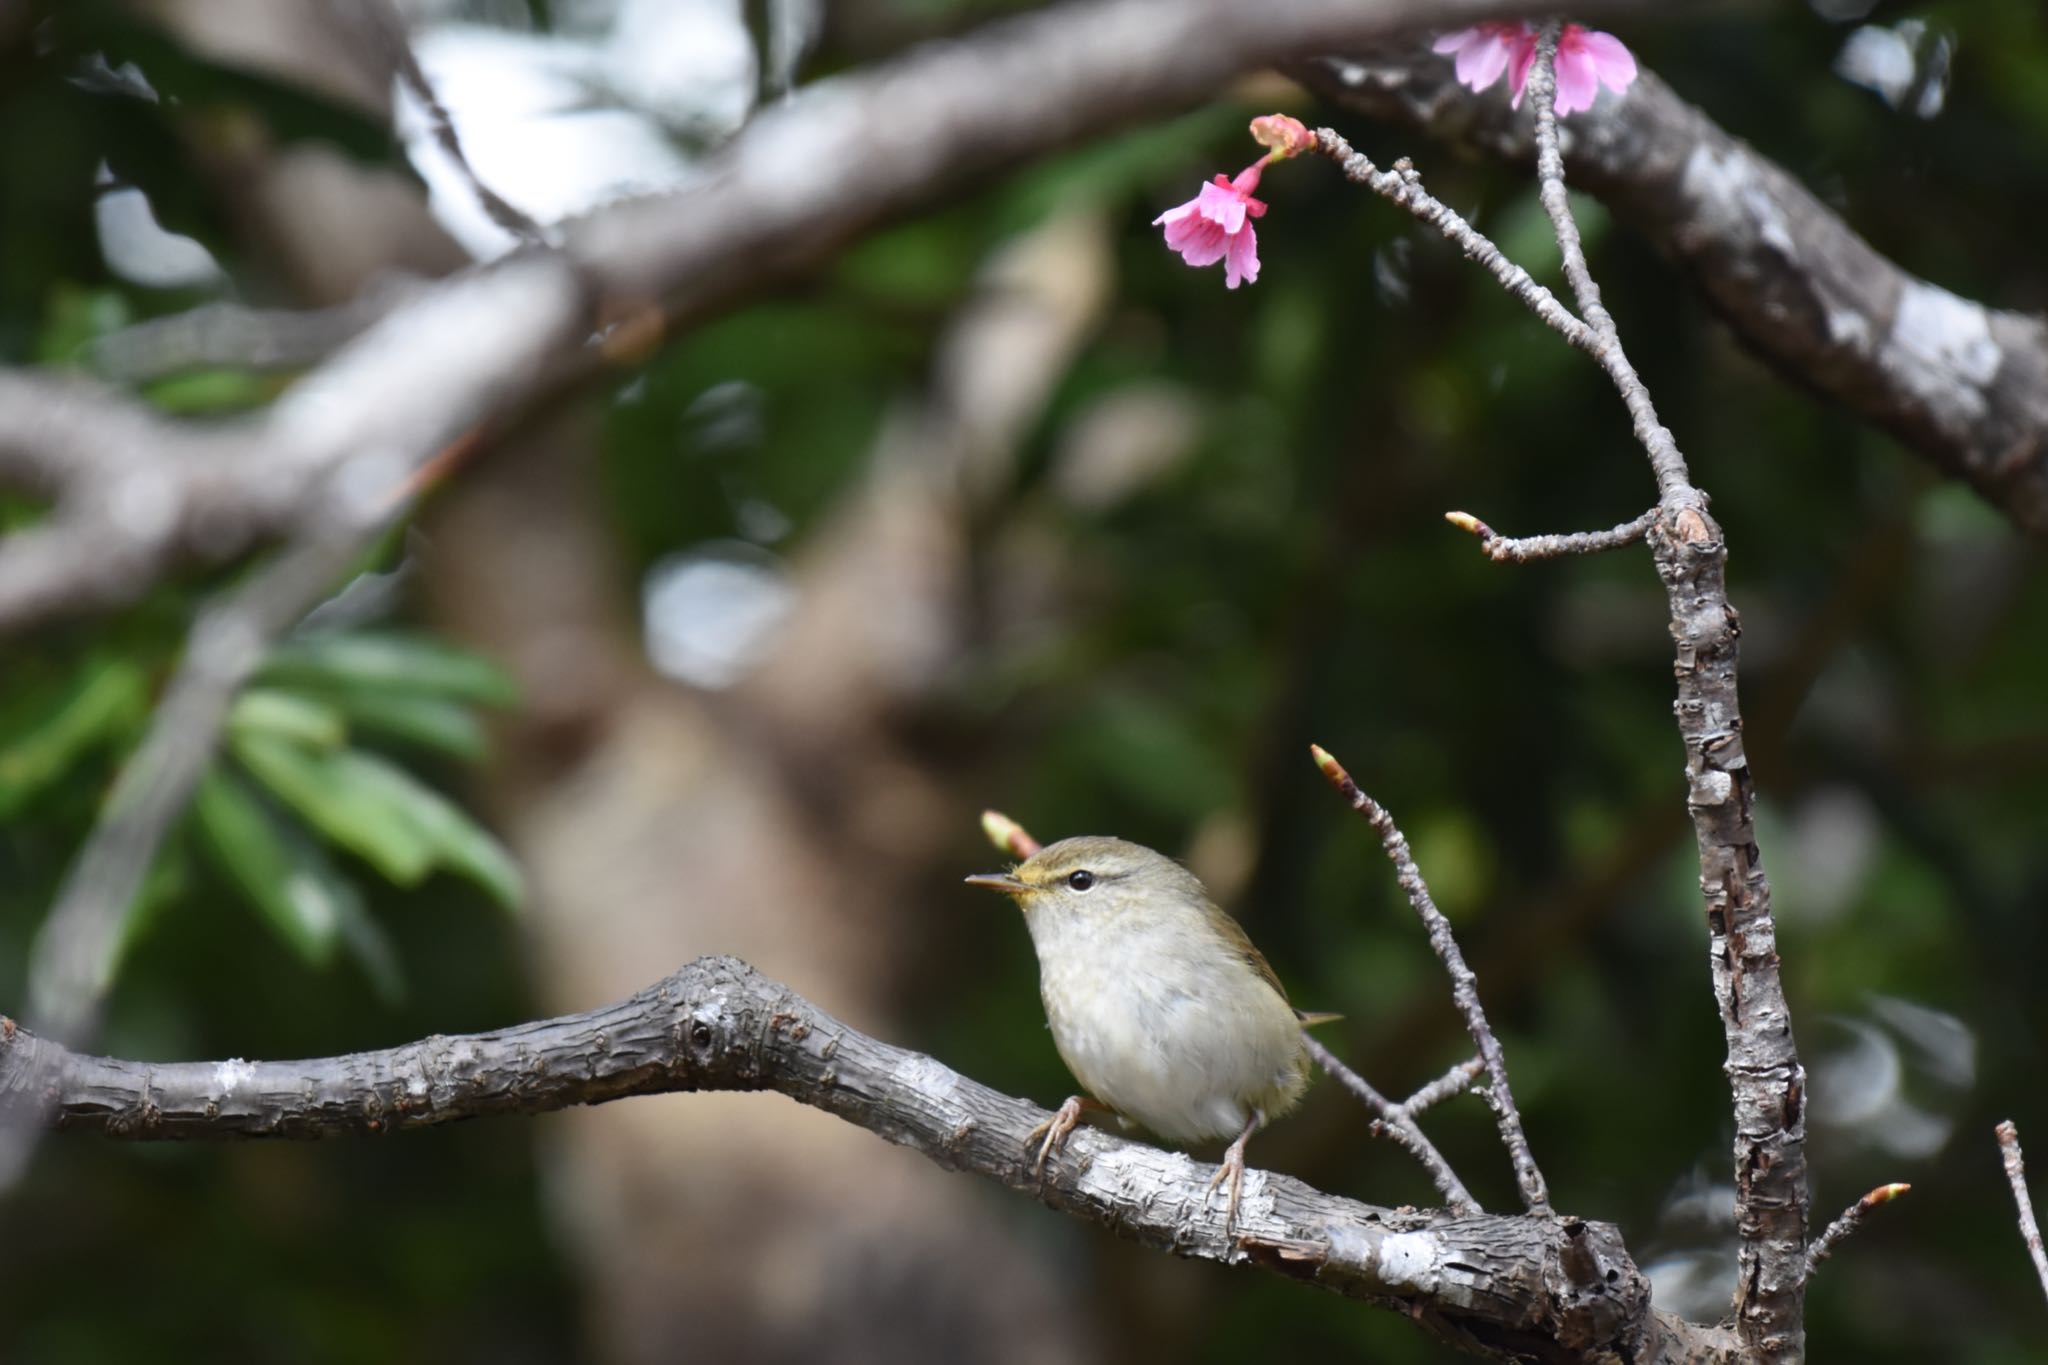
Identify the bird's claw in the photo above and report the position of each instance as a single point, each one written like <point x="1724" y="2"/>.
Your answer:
<point x="1233" y="1167"/>
<point x="1054" y="1132"/>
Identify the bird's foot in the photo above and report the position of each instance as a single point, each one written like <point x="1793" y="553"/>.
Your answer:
<point x="1233" y="1167"/>
<point x="1055" y="1129"/>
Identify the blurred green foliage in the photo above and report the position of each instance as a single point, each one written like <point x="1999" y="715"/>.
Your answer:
<point x="1289" y="580"/>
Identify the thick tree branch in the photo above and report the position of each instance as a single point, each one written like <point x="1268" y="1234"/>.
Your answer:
<point x="1765" y="1076"/>
<point x="806" y="178"/>
<point x="137" y="493"/>
<point x="1963" y="384"/>
<point x="1530" y="1288"/>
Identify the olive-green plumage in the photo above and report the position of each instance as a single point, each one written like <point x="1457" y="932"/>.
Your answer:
<point x="1158" y="1003"/>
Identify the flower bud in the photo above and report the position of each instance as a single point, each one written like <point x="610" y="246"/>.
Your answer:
<point x="1282" y="135"/>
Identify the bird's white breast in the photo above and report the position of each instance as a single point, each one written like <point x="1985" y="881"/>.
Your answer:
<point x="1169" y="1026"/>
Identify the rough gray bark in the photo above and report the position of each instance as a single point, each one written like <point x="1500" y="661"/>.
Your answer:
<point x="1528" y="1288"/>
<point x="1764" y="1072"/>
<point x="1963" y="384"/>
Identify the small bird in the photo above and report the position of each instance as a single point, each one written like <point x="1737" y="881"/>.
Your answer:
<point x="1158" y="1003"/>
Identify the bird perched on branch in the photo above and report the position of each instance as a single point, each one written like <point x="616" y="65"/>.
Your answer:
<point x="1158" y="1003"/>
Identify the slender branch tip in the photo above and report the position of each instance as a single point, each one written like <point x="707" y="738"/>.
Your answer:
<point x="1469" y="524"/>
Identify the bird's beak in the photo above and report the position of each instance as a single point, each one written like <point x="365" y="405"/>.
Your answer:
<point x="999" y="881"/>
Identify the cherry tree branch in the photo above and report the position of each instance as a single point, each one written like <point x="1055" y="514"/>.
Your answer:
<point x="1766" y="1079"/>
<point x="1398" y="1126"/>
<point x="1455" y="1081"/>
<point x="1963" y="384"/>
<point x="1528" y="549"/>
<point x="1528" y="1288"/>
<point x="1852" y="1218"/>
<point x="2016" y="1175"/>
<point x="1464" y="985"/>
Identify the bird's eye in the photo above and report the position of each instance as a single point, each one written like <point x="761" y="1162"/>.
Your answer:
<point x="1081" y="880"/>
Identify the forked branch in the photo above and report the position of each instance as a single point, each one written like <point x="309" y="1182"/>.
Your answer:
<point x="1464" y="985"/>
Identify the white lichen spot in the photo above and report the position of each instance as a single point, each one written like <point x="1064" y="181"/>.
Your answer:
<point x="1408" y="1260"/>
<point x="1713" y="788"/>
<point x="416" y="1085"/>
<point x="231" y="1073"/>
<point x="1942" y="350"/>
<point x="1113" y="1175"/>
<point x="1731" y="199"/>
<point x="1846" y="327"/>
<point x="929" y="1077"/>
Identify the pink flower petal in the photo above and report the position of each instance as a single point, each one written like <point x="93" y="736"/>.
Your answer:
<point x="1480" y="65"/>
<point x="1201" y="242"/>
<point x="1174" y="215"/>
<point x="1518" y="75"/>
<point x="1451" y="42"/>
<point x="1612" y="62"/>
<point x="1242" y="263"/>
<point x="1222" y="207"/>
<point x="1577" y="84"/>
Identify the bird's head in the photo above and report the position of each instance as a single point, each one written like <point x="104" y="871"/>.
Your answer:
<point x="1094" y="874"/>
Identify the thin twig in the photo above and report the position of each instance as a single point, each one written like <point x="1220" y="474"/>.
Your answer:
<point x="1456" y="1081"/>
<point x="1852" y="1218"/>
<point x="1403" y="186"/>
<point x="1464" y="986"/>
<point x="442" y="128"/>
<point x="1825" y="315"/>
<point x="2016" y="1173"/>
<point x="1398" y="1126"/>
<point x="1665" y="460"/>
<point x="1506" y="550"/>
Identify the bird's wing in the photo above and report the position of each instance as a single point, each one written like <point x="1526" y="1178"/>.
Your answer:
<point x="1240" y="942"/>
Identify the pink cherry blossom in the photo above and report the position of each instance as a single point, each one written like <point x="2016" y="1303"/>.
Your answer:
<point x="1486" y="50"/>
<point x="1216" y="225"/>
<point x="1586" y="60"/>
